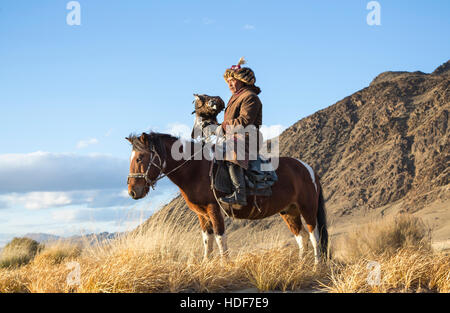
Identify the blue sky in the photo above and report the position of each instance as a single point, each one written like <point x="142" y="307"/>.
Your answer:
<point x="70" y="94"/>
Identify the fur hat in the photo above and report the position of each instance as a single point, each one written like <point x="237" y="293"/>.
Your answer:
<point x="244" y="74"/>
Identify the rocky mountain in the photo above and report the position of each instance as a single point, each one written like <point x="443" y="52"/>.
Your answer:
<point x="387" y="143"/>
<point x="88" y="238"/>
<point x="42" y="237"/>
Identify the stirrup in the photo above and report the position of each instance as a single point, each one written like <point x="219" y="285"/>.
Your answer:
<point x="233" y="201"/>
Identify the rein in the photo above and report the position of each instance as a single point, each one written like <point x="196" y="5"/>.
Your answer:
<point x="161" y="167"/>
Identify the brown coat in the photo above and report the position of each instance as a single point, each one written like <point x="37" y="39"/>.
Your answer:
<point x="244" y="108"/>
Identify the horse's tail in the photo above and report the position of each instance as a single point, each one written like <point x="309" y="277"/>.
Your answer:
<point x="322" y="224"/>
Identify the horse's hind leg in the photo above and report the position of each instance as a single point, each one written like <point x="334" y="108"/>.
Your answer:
<point x="293" y="220"/>
<point x="218" y="225"/>
<point x="207" y="235"/>
<point x="314" y="236"/>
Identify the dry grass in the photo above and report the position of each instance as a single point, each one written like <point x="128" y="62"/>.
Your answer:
<point x="405" y="271"/>
<point x="167" y="257"/>
<point x="401" y="247"/>
<point x="57" y="252"/>
<point x="386" y="237"/>
<point x="18" y="252"/>
<point x="281" y="269"/>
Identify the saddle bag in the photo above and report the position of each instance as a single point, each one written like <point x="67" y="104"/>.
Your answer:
<point x="258" y="181"/>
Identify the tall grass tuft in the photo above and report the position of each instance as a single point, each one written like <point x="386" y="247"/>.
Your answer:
<point x="57" y="252"/>
<point x="400" y="246"/>
<point x="408" y="270"/>
<point x="386" y="237"/>
<point x="18" y="252"/>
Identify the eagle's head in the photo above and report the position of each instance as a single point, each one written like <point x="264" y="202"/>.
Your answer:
<point x="208" y="107"/>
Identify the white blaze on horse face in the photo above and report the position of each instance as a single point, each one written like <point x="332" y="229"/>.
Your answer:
<point x="133" y="155"/>
<point x="311" y="173"/>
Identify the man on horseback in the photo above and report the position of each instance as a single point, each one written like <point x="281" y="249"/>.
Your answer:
<point x="243" y="109"/>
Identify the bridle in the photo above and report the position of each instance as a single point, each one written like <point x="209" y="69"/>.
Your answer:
<point x="162" y="166"/>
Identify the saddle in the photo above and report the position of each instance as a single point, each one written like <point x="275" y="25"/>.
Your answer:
<point x="259" y="180"/>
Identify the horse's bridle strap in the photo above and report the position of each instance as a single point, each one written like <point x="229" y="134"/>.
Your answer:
<point x="161" y="167"/>
<point x="149" y="182"/>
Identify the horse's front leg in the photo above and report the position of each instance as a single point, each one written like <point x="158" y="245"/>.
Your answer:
<point x="218" y="225"/>
<point x="207" y="235"/>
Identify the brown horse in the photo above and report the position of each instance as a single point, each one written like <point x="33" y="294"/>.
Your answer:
<point x="296" y="193"/>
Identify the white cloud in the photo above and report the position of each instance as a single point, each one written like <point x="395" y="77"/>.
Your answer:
<point x="249" y="27"/>
<point x="86" y="143"/>
<point x="124" y="193"/>
<point x="118" y="210"/>
<point x="271" y="131"/>
<point x="37" y="200"/>
<point x="65" y="216"/>
<point x="44" y="171"/>
<point x="43" y="180"/>
<point x="184" y="131"/>
<point x="109" y="132"/>
<point x="208" y="21"/>
<point x="88" y="198"/>
<point x="3" y="205"/>
<point x="179" y="129"/>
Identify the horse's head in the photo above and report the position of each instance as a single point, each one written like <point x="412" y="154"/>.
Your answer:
<point x="208" y="106"/>
<point x="147" y="163"/>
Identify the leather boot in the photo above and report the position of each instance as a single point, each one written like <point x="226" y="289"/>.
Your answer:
<point x="238" y="197"/>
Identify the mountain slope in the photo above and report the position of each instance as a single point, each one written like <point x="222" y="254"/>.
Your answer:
<point x="387" y="142"/>
<point x="88" y="238"/>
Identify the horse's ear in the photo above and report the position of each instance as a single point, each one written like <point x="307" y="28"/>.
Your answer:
<point x="128" y="139"/>
<point x="143" y="138"/>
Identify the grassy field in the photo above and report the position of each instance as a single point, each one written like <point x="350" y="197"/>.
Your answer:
<point x="391" y="255"/>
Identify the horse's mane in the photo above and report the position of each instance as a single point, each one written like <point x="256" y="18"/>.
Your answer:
<point x="154" y="140"/>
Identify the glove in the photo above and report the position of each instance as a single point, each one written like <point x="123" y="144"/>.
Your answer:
<point x="219" y="131"/>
